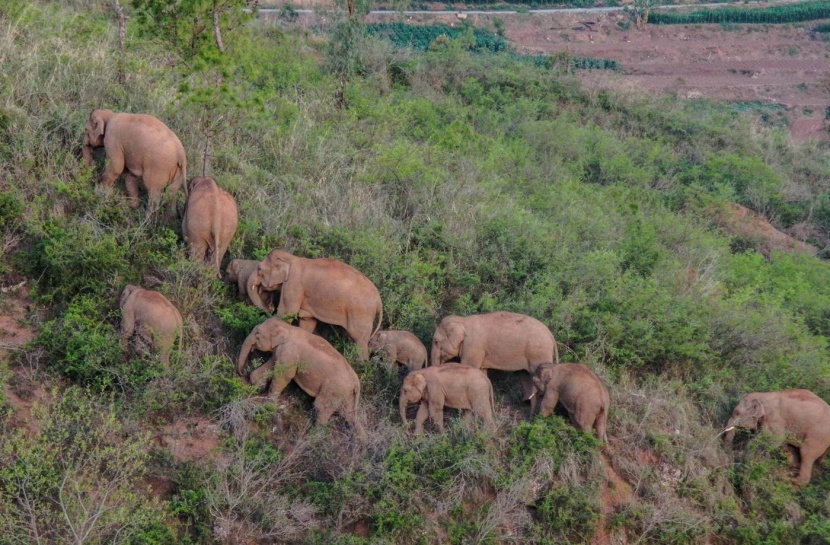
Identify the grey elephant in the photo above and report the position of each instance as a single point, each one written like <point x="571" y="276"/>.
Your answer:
<point x="310" y="361"/>
<point x="448" y="385"/>
<point x="799" y="417"/>
<point x="579" y="390"/>
<point x="142" y="145"/>
<point x="498" y="340"/>
<point x="321" y="289"/>
<point x="239" y="271"/>
<point x="401" y="347"/>
<point x="209" y="222"/>
<point x="151" y="315"/>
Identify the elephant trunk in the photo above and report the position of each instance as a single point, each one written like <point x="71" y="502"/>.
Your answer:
<point x="247" y="346"/>
<point x="435" y="356"/>
<point x="403" y="404"/>
<point x="729" y="436"/>
<point x="86" y="151"/>
<point x="254" y="284"/>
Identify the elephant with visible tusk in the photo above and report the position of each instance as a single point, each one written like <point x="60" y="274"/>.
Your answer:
<point x="799" y="417"/>
<point x="321" y="289"/>
<point x="310" y="361"/>
<point x="143" y="146"/>
<point x="498" y="340"/>
<point x="579" y="390"/>
<point x="448" y="385"/>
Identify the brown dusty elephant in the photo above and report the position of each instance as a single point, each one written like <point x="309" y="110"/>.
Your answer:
<point x="153" y="317"/>
<point x="579" y="390"/>
<point x="497" y="340"/>
<point x="799" y="417"/>
<point x="142" y="145"/>
<point x="209" y="222"/>
<point x="239" y="271"/>
<point x="310" y="361"/>
<point x="321" y="289"/>
<point x="401" y="347"/>
<point x="448" y="385"/>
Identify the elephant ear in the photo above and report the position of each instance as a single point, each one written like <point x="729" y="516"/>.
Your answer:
<point x="419" y="382"/>
<point x="276" y="334"/>
<point x="97" y="126"/>
<point x="455" y="334"/>
<point x="125" y="294"/>
<point x="276" y="272"/>
<point x="756" y="410"/>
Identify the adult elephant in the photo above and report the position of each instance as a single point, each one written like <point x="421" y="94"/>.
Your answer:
<point x="579" y="390"/>
<point x="323" y="289"/>
<point x="209" y="222"/>
<point x="310" y="361"/>
<point x="799" y="417"/>
<point x="498" y="340"/>
<point x="155" y="319"/>
<point x="142" y="145"/>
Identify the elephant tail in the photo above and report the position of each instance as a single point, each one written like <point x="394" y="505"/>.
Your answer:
<point x="379" y="314"/>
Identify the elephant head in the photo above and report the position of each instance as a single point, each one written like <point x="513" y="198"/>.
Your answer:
<point x="378" y="341"/>
<point x="543" y="375"/>
<point x="273" y="271"/>
<point x="748" y="414"/>
<point x="265" y="337"/>
<point x="125" y="294"/>
<point x="94" y="131"/>
<point x="412" y="391"/>
<point x="448" y="340"/>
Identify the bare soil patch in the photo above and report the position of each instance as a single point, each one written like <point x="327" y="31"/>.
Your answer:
<point x="786" y="67"/>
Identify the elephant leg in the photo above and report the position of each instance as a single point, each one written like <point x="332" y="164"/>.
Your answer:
<point x="808" y="454"/>
<point x="482" y="410"/>
<point x="548" y="403"/>
<point x="307" y="321"/>
<point x="420" y="418"/>
<point x="324" y="409"/>
<point x="261" y="374"/>
<point x="282" y="376"/>
<point x="583" y="420"/>
<point x="114" y="168"/>
<point x="153" y="200"/>
<point x="436" y="413"/>
<point x="601" y="425"/>
<point x="198" y="250"/>
<point x="131" y="183"/>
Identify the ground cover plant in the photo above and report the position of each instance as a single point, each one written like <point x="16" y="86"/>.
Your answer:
<point x="789" y="13"/>
<point x="457" y="182"/>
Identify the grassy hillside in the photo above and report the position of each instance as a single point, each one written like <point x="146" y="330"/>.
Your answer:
<point x="459" y="183"/>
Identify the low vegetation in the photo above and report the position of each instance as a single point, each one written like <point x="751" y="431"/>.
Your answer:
<point x="459" y="182"/>
<point x="787" y="13"/>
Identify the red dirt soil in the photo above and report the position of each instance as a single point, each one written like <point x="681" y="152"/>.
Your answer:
<point x="782" y="66"/>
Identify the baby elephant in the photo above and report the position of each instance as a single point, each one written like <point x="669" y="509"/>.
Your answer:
<point x="579" y="390"/>
<point x="401" y="347"/>
<point x="240" y="271"/>
<point x="155" y="319"/>
<point x="209" y="222"/>
<point x="308" y="360"/>
<point x="449" y="385"/>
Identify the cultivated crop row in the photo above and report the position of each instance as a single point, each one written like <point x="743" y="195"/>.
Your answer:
<point x="791" y="13"/>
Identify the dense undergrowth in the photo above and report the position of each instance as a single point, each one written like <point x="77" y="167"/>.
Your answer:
<point x="458" y="183"/>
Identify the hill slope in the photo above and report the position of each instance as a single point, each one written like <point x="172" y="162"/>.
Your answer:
<point x="459" y="183"/>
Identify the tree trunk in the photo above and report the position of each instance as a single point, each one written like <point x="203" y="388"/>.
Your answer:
<point x="217" y="31"/>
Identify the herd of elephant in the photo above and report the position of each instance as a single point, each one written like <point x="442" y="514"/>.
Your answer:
<point x="330" y="291"/>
